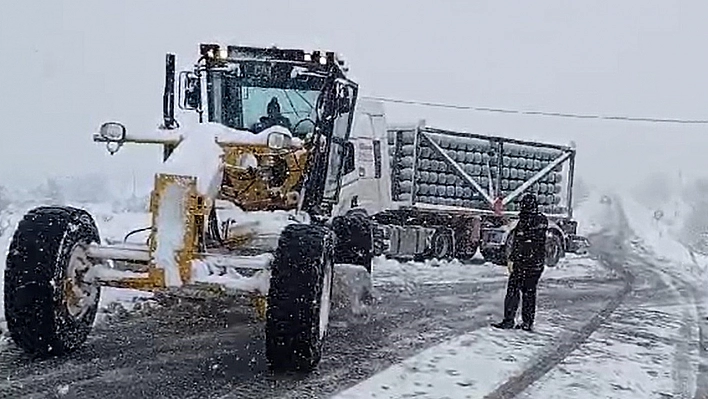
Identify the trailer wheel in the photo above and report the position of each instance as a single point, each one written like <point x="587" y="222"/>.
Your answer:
<point x="470" y="251"/>
<point x="355" y="240"/>
<point x="442" y="244"/>
<point x="554" y="249"/>
<point x="498" y="255"/>
<point x="379" y="244"/>
<point x="466" y="245"/>
<point x="299" y="298"/>
<point x="49" y="307"/>
<point x="495" y="256"/>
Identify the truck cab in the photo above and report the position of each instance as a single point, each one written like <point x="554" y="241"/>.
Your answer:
<point x="366" y="176"/>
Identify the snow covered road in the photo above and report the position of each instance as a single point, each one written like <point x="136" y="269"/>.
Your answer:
<point x="649" y="347"/>
<point x="628" y="329"/>
<point x="646" y="342"/>
<point x="218" y="352"/>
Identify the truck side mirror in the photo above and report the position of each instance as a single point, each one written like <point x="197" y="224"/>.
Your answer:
<point x="344" y="100"/>
<point x="344" y="105"/>
<point x="190" y="91"/>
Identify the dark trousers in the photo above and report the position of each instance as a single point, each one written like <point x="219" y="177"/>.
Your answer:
<point x="524" y="280"/>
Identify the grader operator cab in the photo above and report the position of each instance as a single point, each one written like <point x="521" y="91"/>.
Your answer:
<point x="271" y="136"/>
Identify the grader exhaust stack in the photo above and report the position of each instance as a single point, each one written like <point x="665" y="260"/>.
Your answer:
<point x="168" y="98"/>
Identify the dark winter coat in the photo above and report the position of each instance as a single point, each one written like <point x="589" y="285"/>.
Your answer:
<point x="529" y="240"/>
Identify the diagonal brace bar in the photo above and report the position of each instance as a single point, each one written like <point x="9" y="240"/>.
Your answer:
<point x="538" y="176"/>
<point x="461" y="172"/>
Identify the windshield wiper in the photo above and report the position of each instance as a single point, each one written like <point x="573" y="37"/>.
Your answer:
<point x="291" y="102"/>
<point x="304" y="99"/>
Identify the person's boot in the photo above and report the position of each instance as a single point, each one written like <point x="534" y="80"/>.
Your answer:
<point x="504" y="324"/>
<point x="526" y="326"/>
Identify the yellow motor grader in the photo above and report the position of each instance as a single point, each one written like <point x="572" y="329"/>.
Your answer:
<point x="268" y="140"/>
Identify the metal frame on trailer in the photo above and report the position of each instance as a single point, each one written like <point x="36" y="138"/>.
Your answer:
<point x="422" y="132"/>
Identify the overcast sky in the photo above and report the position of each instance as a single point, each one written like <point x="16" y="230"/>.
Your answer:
<point x="67" y="66"/>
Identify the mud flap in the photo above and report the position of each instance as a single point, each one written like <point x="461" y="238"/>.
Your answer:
<point x="352" y="291"/>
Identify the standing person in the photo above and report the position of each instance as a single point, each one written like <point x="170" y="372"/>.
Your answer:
<point x="526" y="263"/>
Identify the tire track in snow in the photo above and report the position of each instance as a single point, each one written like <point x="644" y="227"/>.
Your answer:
<point x="693" y="321"/>
<point x="569" y="342"/>
<point x="346" y="363"/>
<point x="683" y="375"/>
<point x="684" y="378"/>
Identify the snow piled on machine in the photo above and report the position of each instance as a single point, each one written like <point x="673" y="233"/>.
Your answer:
<point x="213" y="131"/>
<point x="197" y="155"/>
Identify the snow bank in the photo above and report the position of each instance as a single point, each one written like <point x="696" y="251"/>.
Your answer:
<point x="408" y="275"/>
<point x="669" y="215"/>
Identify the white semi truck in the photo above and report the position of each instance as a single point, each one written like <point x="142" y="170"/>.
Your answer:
<point x="431" y="193"/>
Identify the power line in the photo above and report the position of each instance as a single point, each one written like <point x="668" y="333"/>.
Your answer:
<point x="541" y="113"/>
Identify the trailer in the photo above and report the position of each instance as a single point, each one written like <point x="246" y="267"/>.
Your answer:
<point x="434" y="193"/>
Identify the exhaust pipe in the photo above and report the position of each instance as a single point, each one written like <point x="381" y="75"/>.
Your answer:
<point x="168" y="102"/>
<point x="168" y="99"/>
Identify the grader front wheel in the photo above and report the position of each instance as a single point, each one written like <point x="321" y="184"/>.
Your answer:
<point x="297" y="317"/>
<point x="49" y="306"/>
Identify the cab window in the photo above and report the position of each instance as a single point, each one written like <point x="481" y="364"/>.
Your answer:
<point x="348" y="158"/>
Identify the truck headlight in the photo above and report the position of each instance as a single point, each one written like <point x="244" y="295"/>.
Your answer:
<point x="278" y="140"/>
<point x="112" y="131"/>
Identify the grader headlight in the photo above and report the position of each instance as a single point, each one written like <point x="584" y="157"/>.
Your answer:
<point x="277" y="140"/>
<point x="112" y="131"/>
<point x="247" y="160"/>
<point x="223" y="53"/>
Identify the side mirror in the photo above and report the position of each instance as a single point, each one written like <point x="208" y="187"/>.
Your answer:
<point x="190" y="91"/>
<point x="344" y="105"/>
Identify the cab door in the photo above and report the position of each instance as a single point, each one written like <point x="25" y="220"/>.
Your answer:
<point x="338" y="146"/>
